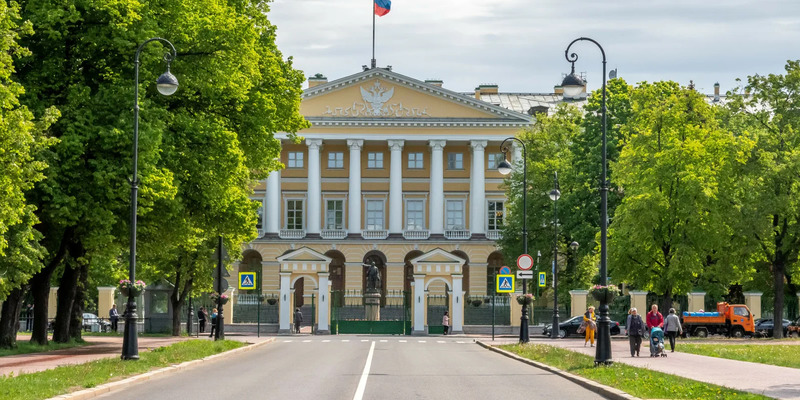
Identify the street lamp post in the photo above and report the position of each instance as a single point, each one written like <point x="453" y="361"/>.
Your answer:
<point x="555" y="194"/>
<point x="573" y="85"/>
<point x="167" y="84"/>
<point x="505" y="168"/>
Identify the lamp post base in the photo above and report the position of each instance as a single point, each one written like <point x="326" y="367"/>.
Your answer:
<point x="524" y="335"/>
<point x="603" y="353"/>
<point x="130" y="340"/>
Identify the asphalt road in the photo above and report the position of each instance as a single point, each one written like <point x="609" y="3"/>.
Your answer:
<point x="359" y="367"/>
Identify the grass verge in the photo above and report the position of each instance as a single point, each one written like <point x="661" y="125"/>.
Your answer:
<point x="69" y="378"/>
<point x="639" y="382"/>
<point x="28" y="347"/>
<point x="783" y="355"/>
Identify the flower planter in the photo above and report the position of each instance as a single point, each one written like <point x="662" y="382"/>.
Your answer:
<point x="525" y="300"/>
<point x="128" y="291"/>
<point x="272" y="302"/>
<point x="477" y="303"/>
<point x="604" y="295"/>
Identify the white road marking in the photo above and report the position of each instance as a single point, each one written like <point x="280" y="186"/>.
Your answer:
<point x="384" y="341"/>
<point x="306" y="341"/>
<point x="459" y="341"/>
<point x="325" y="341"/>
<point x="345" y="340"/>
<point x="403" y="341"/>
<point x="362" y="384"/>
<point x="365" y="340"/>
<point x="421" y="341"/>
<point x="440" y="341"/>
<point x="287" y="341"/>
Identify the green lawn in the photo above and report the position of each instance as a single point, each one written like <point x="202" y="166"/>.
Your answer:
<point x="639" y="382"/>
<point x="784" y="355"/>
<point x="65" y="379"/>
<point x="26" y="347"/>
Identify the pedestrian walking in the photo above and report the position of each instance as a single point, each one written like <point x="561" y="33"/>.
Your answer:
<point x="213" y="322"/>
<point x="113" y="316"/>
<point x="298" y="320"/>
<point x="591" y="325"/>
<point x="672" y="325"/>
<point x="654" y="318"/>
<point x="446" y="322"/>
<point x="29" y="317"/>
<point x="202" y="316"/>
<point x="635" y="331"/>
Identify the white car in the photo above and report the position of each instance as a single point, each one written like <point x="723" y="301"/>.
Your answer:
<point x="91" y="323"/>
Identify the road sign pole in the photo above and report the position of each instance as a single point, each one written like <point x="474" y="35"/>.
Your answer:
<point x="494" y="300"/>
<point x="258" y="316"/>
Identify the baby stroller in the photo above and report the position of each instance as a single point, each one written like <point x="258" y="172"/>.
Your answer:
<point x="657" y="342"/>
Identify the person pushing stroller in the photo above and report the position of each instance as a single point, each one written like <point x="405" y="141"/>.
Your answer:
<point x="657" y="342"/>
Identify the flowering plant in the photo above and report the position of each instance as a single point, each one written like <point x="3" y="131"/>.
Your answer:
<point x="126" y="286"/>
<point x="214" y="296"/>
<point x="604" y="293"/>
<point x="525" y="299"/>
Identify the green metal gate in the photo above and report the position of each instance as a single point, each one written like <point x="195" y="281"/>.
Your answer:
<point x="437" y="305"/>
<point x="349" y="313"/>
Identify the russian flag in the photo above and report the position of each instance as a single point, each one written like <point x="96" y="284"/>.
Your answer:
<point x="382" y="7"/>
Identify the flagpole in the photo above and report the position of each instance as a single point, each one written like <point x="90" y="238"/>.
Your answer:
<point x="374" y="64"/>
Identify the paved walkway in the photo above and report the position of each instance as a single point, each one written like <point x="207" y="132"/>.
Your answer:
<point x="769" y="380"/>
<point x="100" y="347"/>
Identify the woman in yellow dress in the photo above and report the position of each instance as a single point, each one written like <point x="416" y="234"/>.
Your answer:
<point x="591" y="325"/>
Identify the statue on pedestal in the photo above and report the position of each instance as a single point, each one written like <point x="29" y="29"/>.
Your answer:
<point x="373" y="278"/>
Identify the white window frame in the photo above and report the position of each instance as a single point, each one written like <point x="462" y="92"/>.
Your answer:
<point x="422" y="215"/>
<point x="416" y="160"/>
<point x="375" y="160"/>
<point x="295" y="159"/>
<point x="494" y="160"/>
<point x="454" y="227"/>
<point x="336" y="160"/>
<point x="367" y="216"/>
<point x="286" y="212"/>
<point x="344" y="211"/>
<point x="488" y="218"/>
<point x="455" y="161"/>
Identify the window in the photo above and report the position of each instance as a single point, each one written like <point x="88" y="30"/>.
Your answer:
<point x="334" y="214"/>
<point x="336" y="160"/>
<point x="374" y="215"/>
<point x="295" y="159"/>
<point x="260" y="213"/>
<point x="455" y="215"/>
<point x="375" y="160"/>
<point x="741" y="311"/>
<point x="455" y="161"/>
<point x="294" y="214"/>
<point x="494" y="160"/>
<point x="495" y="214"/>
<point x="415" y="215"/>
<point x="414" y="160"/>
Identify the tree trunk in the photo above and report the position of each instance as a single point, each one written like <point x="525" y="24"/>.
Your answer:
<point x="76" y="322"/>
<point x="666" y="303"/>
<point x="9" y="318"/>
<point x="40" y="289"/>
<point x="778" y="271"/>
<point x="66" y="297"/>
<point x="178" y="298"/>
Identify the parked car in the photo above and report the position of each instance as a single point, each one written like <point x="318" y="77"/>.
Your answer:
<point x="91" y="323"/>
<point x="570" y="327"/>
<point x="764" y="327"/>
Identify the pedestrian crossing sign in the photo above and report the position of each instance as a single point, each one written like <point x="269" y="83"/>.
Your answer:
<point x="505" y="283"/>
<point x="542" y="279"/>
<point x="247" y="280"/>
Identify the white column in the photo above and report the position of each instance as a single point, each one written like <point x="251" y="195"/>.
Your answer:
<point x="420" y="304"/>
<point x="396" y="187"/>
<point x="273" y="203"/>
<point x="285" y="311"/>
<point x="314" y="186"/>
<point x="323" y="311"/>
<point x="517" y="153"/>
<point x="457" y="323"/>
<point x="354" y="194"/>
<point x="477" y="191"/>
<point x="436" y="210"/>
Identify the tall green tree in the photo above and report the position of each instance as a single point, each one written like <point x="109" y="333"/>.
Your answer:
<point x="769" y="114"/>
<point x="235" y="91"/>
<point x="22" y="139"/>
<point x="675" y="221"/>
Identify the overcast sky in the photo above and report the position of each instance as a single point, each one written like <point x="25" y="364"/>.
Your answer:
<point x="520" y="45"/>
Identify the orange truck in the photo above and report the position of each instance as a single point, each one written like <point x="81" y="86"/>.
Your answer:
<point x="733" y="320"/>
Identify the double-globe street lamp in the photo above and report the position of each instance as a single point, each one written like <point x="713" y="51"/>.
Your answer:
<point x="167" y="84"/>
<point x="555" y="194"/>
<point x="573" y="85"/>
<point x="505" y="168"/>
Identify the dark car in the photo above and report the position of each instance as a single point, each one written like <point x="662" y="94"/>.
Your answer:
<point x="570" y="327"/>
<point x="764" y="327"/>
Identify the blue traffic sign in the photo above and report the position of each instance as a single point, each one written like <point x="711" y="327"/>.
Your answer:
<point x="505" y="283"/>
<point x="505" y="270"/>
<point x="542" y="279"/>
<point x="247" y="280"/>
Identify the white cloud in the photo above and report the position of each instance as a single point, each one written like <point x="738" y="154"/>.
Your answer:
<point x="520" y="44"/>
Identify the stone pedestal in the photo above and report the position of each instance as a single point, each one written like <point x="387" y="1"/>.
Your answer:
<point x="52" y="303"/>
<point x="372" y="306"/>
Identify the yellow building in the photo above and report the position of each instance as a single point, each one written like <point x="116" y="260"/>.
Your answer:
<point x="393" y="171"/>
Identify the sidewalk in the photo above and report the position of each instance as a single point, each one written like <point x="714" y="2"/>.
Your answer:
<point x="768" y="380"/>
<point x="100" y="347"/>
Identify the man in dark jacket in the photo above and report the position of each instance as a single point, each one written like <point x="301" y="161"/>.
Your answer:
<point x="298" y="320"/>
<point x="201" y="320"/>
<point x="113" y="315"/>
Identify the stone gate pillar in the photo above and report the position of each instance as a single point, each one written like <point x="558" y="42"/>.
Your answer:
<point x="285" y="302"/>
<point x="697" y="301"/>
<point x="577" y="302"/>
<point x="457" y="305"/>
<point x="419" y="301"/>
<point x="753" y="301"/>
<point x="323" y="311"/>
<point x="639" y="301"/>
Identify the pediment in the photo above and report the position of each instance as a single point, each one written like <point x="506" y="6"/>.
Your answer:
<point x="304" y="254"/>
<point x="438" y="256"/>
<point x="385" y="96"/>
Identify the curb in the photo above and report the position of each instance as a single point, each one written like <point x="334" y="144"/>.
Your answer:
<point x="603" y="390"/>
<point x="112" y="386"/>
